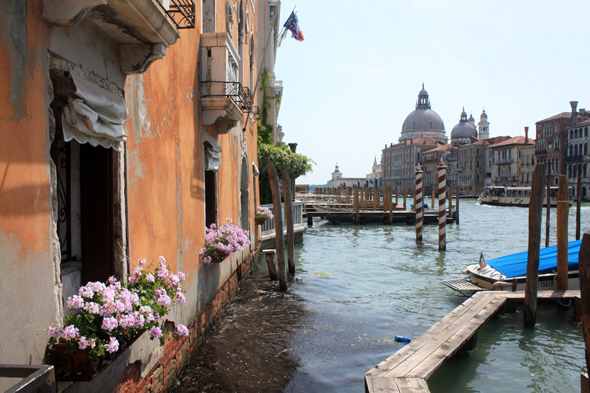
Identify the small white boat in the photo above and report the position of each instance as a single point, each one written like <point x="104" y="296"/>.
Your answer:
<point x="514" y="196"/>
<point x="509" y="272"/>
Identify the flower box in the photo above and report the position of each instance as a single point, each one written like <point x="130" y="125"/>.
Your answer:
<point x="223" y="241"/>
<point x="108" y="317"/>
<point x="259" y="220"/>
<point x="78" y="366"/>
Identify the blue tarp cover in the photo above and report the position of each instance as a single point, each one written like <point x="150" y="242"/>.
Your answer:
<point x="515" y="265"/>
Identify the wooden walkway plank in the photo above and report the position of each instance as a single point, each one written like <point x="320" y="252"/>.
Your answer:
<point x="468" y="309"/>
<point x="447" y="349"/>
<point x="395" y="385"/>
<point x="486" y="305"/>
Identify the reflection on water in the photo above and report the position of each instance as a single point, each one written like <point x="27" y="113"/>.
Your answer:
<point x="376" y="282"/>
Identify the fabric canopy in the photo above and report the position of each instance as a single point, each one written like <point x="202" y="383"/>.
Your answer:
<point x="212" y="158"/>
<point x="515" y="265"/>
<point x="94" y="115"/>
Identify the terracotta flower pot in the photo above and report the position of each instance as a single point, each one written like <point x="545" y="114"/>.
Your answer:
<point x="259" y="220"/>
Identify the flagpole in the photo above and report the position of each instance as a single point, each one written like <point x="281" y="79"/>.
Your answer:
<point x="282" y="31"/>
<point x="265" y="49"/>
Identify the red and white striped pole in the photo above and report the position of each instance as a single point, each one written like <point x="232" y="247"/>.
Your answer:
<point x="442" y="211"/>
<point x="418" y="204"/>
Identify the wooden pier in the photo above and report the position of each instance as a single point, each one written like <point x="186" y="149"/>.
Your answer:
<point x="408" y="369"/>
<point x="362" y="205"/>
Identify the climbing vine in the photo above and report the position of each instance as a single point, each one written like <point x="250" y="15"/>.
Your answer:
<point x="281" y="156"/>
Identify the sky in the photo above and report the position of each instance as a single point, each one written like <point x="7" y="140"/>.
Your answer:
<point x="350" y="85"/>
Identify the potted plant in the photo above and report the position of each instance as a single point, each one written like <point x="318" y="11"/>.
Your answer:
<point x="262" y="214"/>
<point x="223" y="241"/>
<point x="106" y="318"/>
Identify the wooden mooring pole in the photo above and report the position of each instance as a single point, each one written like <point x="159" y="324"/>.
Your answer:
<point x="584" y="265"/>
<point x="548" y="197"/>
<point x="578" y="201"/>
<point x="280" y="238"/>
<point x="405" y="193"/>
<point x="270" y="262"/>
<point x="562" y="213"/>
<point x="289" y="216"/>
<point x="457" y="205"/>
<point x="355" y="203"/>
<point x="418" y="205"/>
<point x="532" y="272"/>
<point x="442" y="213"/>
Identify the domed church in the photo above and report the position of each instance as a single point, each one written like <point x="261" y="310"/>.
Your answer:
<point x="423" y="122"/>
<point x="465" y="131"/>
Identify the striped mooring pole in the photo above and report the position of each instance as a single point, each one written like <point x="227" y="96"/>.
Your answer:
<point x="418" y="204"/>
<point x="442" y="212"/>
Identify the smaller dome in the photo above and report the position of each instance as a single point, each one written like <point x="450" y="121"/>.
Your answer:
<point x="464" y="130"/>
<point x="483" y="116"/>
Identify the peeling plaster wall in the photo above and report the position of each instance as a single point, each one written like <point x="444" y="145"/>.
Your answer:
<point x="29" y="280"/>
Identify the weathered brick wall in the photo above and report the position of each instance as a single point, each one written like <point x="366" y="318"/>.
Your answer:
<point x="177" y="350"/>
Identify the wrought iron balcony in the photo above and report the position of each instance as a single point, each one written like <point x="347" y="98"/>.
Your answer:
<point x="239" y="94"/>
<point x="182" y="13"/>
<point x="540" y="151"/>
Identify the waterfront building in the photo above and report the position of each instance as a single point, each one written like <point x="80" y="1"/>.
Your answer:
<point x="123" y="140"/>
<point x="526" y="166"/>
<point x="423" y="122"/>
<point x="551" y="139"/>
<point x="400" y="161"/>
<point x="338" y="180"/>
<point x="375" y="178"/>
<point x="505" y="160"/>
<point x="578" y="140"/>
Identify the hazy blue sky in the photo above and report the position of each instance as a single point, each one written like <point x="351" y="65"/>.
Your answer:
<point x="349" y="86"/>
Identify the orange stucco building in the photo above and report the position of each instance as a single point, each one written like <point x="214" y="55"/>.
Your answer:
<point x="123" y="134"/>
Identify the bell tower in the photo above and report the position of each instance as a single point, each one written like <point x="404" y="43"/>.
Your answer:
<point x="484" y="126"/>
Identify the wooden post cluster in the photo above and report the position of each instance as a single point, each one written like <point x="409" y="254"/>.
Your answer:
<point x="280" y="241"/>
<point x="418" y="205"/>
<point x="355" y="204"/>
<point x="442" y="213"/>
<point x="532" y="271"/>
<point x="562" y="213"/>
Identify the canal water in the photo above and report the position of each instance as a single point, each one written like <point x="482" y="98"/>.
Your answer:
<point x="358" y="287"/>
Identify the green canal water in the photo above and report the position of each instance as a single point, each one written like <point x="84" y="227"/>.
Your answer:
<point x="360" y="286"/>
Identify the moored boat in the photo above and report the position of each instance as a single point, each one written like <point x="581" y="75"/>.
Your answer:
<point x="509" y="272"/>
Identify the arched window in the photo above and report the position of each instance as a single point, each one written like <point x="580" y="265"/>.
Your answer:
<point x="571" y="134"/>
<point x="586" y="132"/>
<point x="569" y="171"/>
<point x="576" y="150"/>
<point x="571" y="153"/>
<point x="586" y="148"/>
<point x="576" y="133"/>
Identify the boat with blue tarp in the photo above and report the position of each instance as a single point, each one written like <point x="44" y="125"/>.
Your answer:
<point x="509" y="272"/>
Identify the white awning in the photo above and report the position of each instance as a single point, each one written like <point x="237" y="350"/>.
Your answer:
<point x="94" y="115"/>
<point x="212" y="158"/>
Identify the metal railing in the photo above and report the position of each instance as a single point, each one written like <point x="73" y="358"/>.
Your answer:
<point x="541" y="151"/>
<point x="29" y="378"/>
<point x="239" y="94"/>
<point x="182" y="13"/>
<point x="268" y="227"/>
<point x="579" y="157"/>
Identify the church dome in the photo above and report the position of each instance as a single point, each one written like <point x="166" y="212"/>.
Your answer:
<point x="423" y="121"/>
<point x="484" y="116"/>
<point x="464" y="131"/>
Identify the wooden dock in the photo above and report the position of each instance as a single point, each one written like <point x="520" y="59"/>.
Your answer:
<point x="408" y="369"/>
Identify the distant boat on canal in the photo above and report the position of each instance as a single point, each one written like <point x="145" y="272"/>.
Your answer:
<point x="514" y="196"/>
<point x="500" y="273"/>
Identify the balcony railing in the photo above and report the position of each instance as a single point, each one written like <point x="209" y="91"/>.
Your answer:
<point x="541" y="151"/>
<point x="239" y="94"/>
<point x="182" y="13"/>
<point x="268" y="228"/>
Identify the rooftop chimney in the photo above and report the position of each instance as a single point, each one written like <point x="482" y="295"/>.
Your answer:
<point x="574" y="105"/>
<point x="526" y="135"/>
